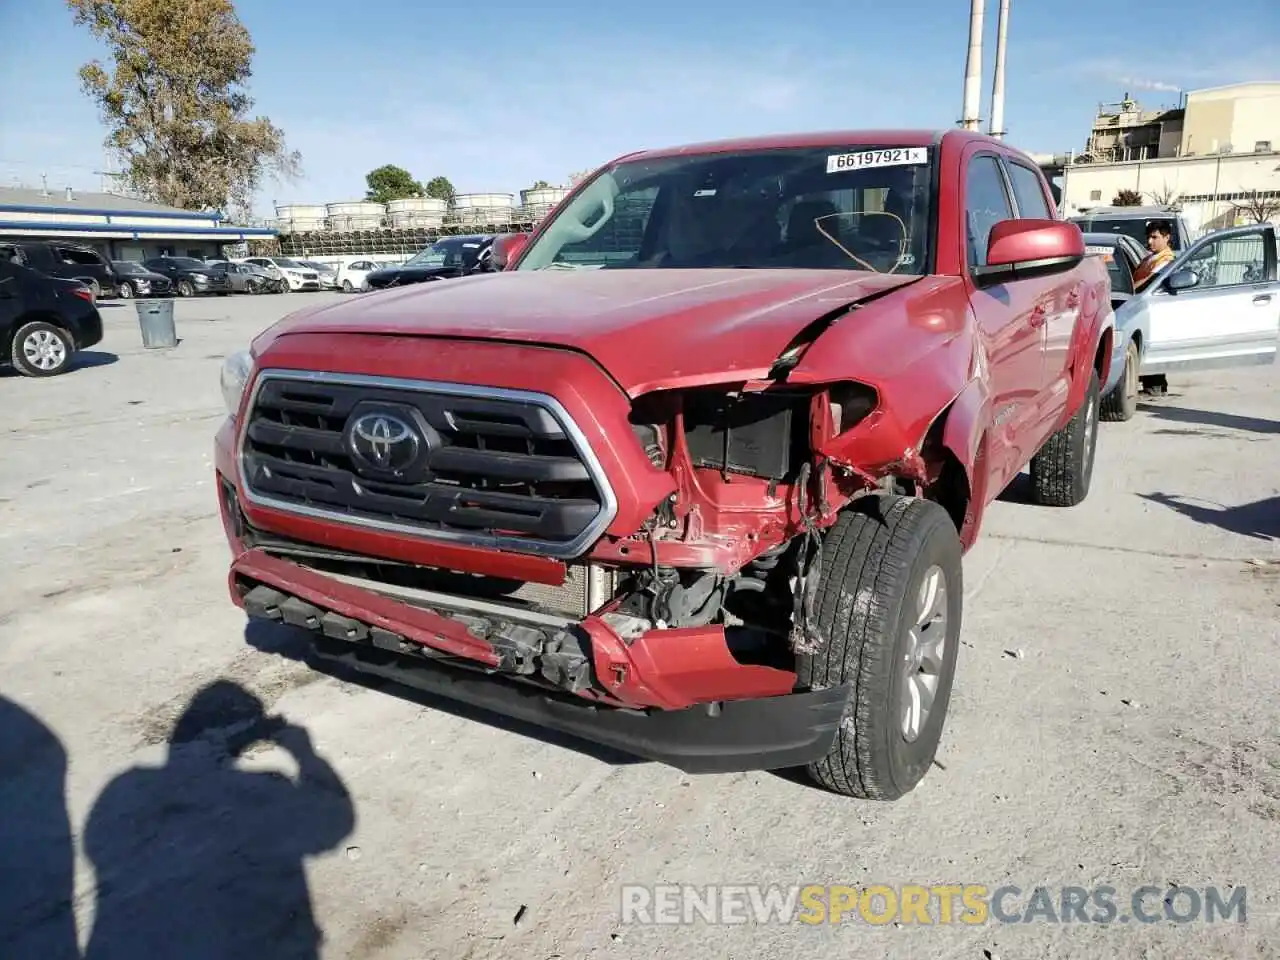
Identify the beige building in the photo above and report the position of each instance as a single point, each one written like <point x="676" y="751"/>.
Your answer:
<point x="1241" y="118"/>
<point x="1221" y="150"/>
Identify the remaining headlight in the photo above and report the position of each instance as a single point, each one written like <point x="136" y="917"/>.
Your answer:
<point x="235" y="374"/>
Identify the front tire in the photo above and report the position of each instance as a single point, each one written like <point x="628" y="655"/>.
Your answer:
<point x="185" y="289"/>
<point x="889" y="605"/>
<point x="1062" y="469"/>
<point x="1122" y="402"/>
<point x="346" y="286"/>
<point x="126" y="290"/>
<point x="41" y="350"/>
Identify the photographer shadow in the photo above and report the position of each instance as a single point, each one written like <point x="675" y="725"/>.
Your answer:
<point x="200" y="858"/>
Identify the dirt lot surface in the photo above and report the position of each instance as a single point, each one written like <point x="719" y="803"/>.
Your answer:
<point x="1116" y="722"/>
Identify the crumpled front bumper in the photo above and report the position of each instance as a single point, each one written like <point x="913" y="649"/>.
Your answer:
<point x="677" y="696"/>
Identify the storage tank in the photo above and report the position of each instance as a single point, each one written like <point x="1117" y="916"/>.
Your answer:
<point x="484" y="208"/>
<point x="540" y="201"/>
<point x="300" y="217"/>
<point x="355" y="215"/>
<point x="416" y="212"/>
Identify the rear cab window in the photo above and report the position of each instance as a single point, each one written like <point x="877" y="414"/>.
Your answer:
<point x="76" y="256"/>
<point x="1028" y="192"/>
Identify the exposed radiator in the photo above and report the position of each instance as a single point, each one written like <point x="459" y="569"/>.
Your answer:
<point x="586" y="588"/>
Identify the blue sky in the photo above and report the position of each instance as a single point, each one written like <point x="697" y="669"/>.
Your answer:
<point x="495" y="96"/>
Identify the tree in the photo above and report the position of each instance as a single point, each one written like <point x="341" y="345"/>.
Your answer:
<point x="540" y="185"/>
<point x="1127" y="198"/>
<point x="441" y="189"/>
<point x="390" y="182"/>
<point x="1166" y="196"/>
<point x="575" y="178"/>
<point x="1256" y="207"/>
<point x="175" y="104"/>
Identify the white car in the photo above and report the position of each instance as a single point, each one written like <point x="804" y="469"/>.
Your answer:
<point x="297" y="275"/>
<point x="328" y="275"/>
<point x="351" y="276"/>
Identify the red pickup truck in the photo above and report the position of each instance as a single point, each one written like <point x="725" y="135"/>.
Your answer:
<point x="693" y="474"/>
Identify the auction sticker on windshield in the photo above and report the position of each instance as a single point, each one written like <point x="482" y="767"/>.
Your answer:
<point x="892" y="157"/>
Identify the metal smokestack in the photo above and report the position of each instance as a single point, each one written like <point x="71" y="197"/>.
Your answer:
<point x="973" y="68"/>
<point x="996" y="127"/>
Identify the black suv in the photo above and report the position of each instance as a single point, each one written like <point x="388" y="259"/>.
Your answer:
<point x="44" y="320"/>
<point x="446" y="258"/>
<point x="190" y="276"/>
<point x="70" y="261"/>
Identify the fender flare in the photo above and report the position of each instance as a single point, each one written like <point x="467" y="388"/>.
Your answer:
<point x="1087" y="340"/>
<point x="964" y="433"/>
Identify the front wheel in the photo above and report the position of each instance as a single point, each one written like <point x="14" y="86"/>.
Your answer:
<point x="1062" y="469"/>
<point x="346" y="286"/>
<point x="185" y="289"/>
<point x="126" y="290"/>
<point x="41" y="350"/>
<point x="1122" y="402"/>
<point x="888" y="607"/>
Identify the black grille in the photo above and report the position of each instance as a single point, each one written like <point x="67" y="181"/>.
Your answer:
<point x="496" y="467"/>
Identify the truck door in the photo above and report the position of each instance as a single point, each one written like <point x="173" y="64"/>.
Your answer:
<point x="1010" y="319"/>
<point x="1217" y="305"/>
<point x="1061" y="298"/>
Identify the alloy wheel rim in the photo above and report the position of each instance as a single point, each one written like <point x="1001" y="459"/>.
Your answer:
<point x="926" y="650"/>
<point x="44" y="350"/>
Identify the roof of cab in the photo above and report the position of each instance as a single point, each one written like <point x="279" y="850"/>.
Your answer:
<point x="915" y="137"/>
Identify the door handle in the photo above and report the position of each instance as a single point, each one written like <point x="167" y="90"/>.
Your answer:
<point x="1262" y="298"/>
<point x="1038" y="315"/>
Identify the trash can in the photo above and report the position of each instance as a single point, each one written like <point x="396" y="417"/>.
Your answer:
<point x="155" y="317"/>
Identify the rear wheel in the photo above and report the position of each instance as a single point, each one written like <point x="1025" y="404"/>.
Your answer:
<point x="1063" y="468"/>
<point x="1122" y="402"/>
<point x="41" y="350"/>
<point x="889" y="607"/>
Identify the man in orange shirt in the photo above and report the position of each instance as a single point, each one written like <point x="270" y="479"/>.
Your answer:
<point x="1158" y="235"/>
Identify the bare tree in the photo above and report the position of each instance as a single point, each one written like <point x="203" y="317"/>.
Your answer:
<point x="1256" y="207"/>
<point x="1166" y="196"/>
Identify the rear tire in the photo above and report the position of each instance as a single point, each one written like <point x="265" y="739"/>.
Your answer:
<point x="1122" y="402"/>
<point x="1063" y="468"/>
<point x="41" y="350"/>
<point x="889" y="605"/>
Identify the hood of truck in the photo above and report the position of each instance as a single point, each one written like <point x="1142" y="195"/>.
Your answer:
<point x="649" y="329"/>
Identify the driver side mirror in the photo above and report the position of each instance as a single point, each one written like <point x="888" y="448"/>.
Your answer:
<point x="507" y="249"/>
<point x="1183" y="279"/>
<point x="1023" y="248"/>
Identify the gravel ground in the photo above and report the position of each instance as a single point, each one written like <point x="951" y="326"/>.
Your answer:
<point x="1116" y="721"/>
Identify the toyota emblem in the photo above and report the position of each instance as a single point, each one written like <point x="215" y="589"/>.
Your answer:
<point x="383" y="441"/>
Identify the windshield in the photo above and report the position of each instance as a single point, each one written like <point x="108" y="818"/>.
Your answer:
<point x="128" y="266"/>
<point x="288" y="264"/>
<point x="451" y="252"/>
<point x="1135" y="227"/>
<point x="860" y="208"/>
<point x="189" y="263"/>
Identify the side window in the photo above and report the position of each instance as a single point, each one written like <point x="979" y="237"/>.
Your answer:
<point x="1028" y="192"/>
<point x="985" y="205"/>
<point x="1230" y="261"/>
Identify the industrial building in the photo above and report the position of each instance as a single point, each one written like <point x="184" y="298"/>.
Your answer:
<point x="1220" y="147"/>
<point x="402" y="227"/>
<point x="118" y="227"/>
